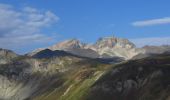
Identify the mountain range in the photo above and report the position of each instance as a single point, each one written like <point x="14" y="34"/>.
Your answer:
<point x="110" y="69"/>
<point x="106" y="47"/>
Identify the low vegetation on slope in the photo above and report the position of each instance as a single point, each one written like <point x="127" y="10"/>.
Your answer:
<point x="144" y="79"/>
<point x="69" y="77"/>
<point x="51" y="78"/>
<point x="78" y="81"/>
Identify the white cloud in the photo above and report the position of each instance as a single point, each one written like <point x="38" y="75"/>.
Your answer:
<point x="23" y="26"/>
<point x="151" y="22"/>
<point x="156" y="41"/>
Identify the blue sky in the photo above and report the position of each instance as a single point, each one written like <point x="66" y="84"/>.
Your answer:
<point x="40" y="23"/>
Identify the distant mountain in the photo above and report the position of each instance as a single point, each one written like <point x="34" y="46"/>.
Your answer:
<point x="107" y="47"/>
<point x="156" y="49"/>
<point x="68" y="44"/>
<point x="48" y="54"/>
<point x="6" y="56"/>
<point x="75" y="47"/>
<point x="152" y="50"/>
<point x="113" y="46"/>
<point x="114" y="42"/>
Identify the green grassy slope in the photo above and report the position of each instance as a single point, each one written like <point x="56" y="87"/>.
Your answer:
<point x="78" y="81"/>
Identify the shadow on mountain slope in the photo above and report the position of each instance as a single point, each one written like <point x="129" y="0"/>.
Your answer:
<point x="69" y="77"/>
<point x="144" y="79"/>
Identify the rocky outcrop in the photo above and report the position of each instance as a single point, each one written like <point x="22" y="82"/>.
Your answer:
<point x="6" y="56"/>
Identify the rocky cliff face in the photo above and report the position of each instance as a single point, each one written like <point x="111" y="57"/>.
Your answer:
<point x="113" y="46"/>
<point x="6" y="56"/>
<point x="113" y="42"/>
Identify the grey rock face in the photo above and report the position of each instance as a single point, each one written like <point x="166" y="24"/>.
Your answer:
<point x="113" y="42"/>
<point x="6" y="56"/>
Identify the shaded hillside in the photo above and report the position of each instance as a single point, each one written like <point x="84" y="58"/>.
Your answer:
<point x="47" y="53"/>
<point x="144" y="79"/>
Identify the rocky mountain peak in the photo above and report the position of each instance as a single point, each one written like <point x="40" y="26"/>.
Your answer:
<point x="68" y="44"/>
<point x="104" y="47"/>
<point x="112" y="42"/>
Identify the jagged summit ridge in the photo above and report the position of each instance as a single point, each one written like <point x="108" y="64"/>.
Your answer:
<point x="113" y="46"/>
<point x="112" y="42"/>
<point x="105" y="47"/>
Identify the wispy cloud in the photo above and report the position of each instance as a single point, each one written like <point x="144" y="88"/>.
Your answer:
<point x="23" y="26"/>
<point x="151" y="22"/>
<point x="156" y="41"/>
